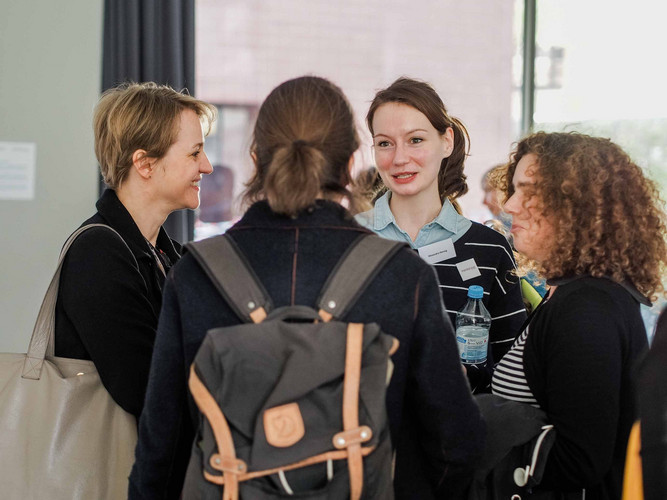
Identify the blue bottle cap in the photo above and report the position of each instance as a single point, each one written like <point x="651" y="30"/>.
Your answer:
<point x="475" y="292"/>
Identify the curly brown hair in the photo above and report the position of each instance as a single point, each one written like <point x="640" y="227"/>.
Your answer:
<point x="608" y="218"/>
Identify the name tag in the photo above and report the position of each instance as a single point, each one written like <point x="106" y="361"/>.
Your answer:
<point x="468" y="269"/>
<point x="438" y="251"/>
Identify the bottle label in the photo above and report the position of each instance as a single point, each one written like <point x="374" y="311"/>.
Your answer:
<point x="473" y="344"/>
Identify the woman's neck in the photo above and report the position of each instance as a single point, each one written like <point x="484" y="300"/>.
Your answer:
<point x="414" y="212"/>
<point x="145" y="211"/>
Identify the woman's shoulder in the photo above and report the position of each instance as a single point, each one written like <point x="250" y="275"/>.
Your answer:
<point x="485" y="234"/>
<point x="593" y="307"/>
<point x="365" y="219"/>
<point x="99" y="237"/>
<point x="98" y="247"/>
<point x="600" y="291"/>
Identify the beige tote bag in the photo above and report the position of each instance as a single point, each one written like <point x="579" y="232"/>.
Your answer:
<point x="61" y="434"/>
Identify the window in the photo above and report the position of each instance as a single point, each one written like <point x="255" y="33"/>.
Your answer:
<point x="599" y="70"/>
<point x="227" y="150"/>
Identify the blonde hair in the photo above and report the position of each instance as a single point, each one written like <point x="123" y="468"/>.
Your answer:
<point x="135" y="116"/>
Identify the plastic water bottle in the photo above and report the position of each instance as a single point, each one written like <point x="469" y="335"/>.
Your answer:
<point x="473" y="322"/>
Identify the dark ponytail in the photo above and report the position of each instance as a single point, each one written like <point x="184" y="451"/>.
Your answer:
<point x="451" y="179"/>
<point x="302" y="143"/>
<point x="423" y="97"/>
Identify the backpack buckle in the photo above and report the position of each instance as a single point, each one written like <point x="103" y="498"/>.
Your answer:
<point x="345" y="439"/>
<point x="229" y="465"/>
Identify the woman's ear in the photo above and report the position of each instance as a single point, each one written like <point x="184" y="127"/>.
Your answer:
<point x="253" y="155"/>
<point x="448" y="141"/>
<point x="143" y="164"/>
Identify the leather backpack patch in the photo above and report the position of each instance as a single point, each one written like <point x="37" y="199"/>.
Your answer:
<point x="283" y="425"/>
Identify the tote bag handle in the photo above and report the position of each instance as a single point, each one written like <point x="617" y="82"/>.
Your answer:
<point x="43" y="335"/>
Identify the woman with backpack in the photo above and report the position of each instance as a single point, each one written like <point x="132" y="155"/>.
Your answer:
<point x="420" y="151"/>
<point x="292" y="237"/>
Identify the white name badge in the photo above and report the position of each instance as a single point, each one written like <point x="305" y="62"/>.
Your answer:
<point x="468" y="269"/>
<point x="438" y="251"/>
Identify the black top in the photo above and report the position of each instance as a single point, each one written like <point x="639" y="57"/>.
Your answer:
<point x="109" y="300"/>
<point x="434" y="422"/>
<point x="578" y="359"/>
<point x="652" y="394"/>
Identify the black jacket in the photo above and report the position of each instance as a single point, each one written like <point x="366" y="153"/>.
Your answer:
<point x="109" y="300"/>
<point x="435" y="424"/>
<point x="579" y="357"/>
<point x="652" y="395"/>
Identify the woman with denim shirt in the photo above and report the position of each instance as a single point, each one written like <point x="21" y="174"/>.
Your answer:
<point x="420" y="152"/>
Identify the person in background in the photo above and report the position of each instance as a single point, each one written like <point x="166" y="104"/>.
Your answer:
<point x="585" y="216"/>
<point x="149" y="142"/>
<point x="420" y="152"/>
<point x="293" y="235"/>
<point x="368" y="184"/>
<point x="491" y="200"/>
<point x="217" y="195"/>
<point x="645" y="475"/>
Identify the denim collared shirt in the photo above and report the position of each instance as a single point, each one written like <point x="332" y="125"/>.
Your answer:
<point x="448" y="224"/>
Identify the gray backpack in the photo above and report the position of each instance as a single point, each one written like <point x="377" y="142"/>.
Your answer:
<point x="292" y="402"/>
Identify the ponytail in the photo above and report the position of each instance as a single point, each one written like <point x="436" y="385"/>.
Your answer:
<point x="303" y="140"/>
<point x="294" y="177"/>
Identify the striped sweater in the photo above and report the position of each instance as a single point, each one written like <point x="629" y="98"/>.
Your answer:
<point x="493" y="260"/>
<point x="502" y="290"/>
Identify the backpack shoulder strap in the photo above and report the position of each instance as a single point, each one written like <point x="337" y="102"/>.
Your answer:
<point x="355" y="270"/>
<point x="231" y="274"/>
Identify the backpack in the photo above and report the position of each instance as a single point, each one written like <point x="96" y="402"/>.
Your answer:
<point x="292" y="401"/>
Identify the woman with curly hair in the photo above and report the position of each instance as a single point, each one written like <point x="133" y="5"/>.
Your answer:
<point x="588" y="220"/>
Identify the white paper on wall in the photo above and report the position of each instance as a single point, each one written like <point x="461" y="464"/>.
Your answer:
<point x="17" y="170"/>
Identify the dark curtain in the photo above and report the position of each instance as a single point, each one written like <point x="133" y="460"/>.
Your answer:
<point x="152" y="40"/>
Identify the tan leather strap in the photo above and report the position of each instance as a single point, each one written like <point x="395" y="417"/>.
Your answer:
<point x="258" y="315"/>
<point x="355" y="344"/>
<point x="326" y="316"/>
<point x="395" y="344"/>
<point x="230" y="466"/>
<point x="316" y="459"/>
<point x="355" y="436"/>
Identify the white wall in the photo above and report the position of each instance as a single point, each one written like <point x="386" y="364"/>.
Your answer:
<point x="50" y="74"/>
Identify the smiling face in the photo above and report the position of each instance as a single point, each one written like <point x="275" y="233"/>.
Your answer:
<point x="533" y="232"/>
<point x="179" y="171"/>
<point x="408" y="150"/>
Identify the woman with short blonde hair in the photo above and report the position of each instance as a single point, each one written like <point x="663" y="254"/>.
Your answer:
<point x="149" y="142"/>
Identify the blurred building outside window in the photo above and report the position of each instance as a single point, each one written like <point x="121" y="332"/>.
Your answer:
<point x="597" y="70"/>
